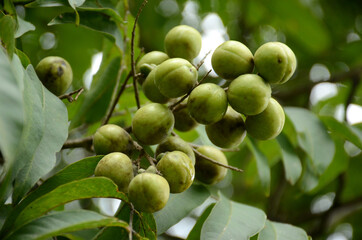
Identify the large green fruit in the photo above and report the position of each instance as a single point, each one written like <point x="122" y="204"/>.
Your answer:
<point x="249" y="94"/>
<point x="151" y="91"/>
<point x="152" y="123"/>
<point x="229" y="131"/>
<point x="183" y="121"/>
<point x="153" y="58"/>
<point x="183" y="42"/>
<point x="175" y="77"/>
<point x="206" y="171"/>
<point x="267" y="124"/>
<point x="55" y="73"/>
<point x="112" y="138"/>
<point x="176" y="144"/>
<point x="207" y="103"/>
<point x="148" y="192"/>
<point x="232" y="59"/>
<point x="118" y="167"/>
<point x="178" y="170"/>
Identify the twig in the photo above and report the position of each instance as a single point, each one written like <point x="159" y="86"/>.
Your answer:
<point x="76" y="143"/>
<point x="202" y="60"/>
<point x="130" y="235"/>
<point x="69" y="96"/>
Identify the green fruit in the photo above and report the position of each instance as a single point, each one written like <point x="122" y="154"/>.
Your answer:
<point x="177" y="168"/>
<point x="152" y="123"/>
<point x="229" y="131"/>
<point x="232" y="59"/>
<point x="275" y="62"/>
<point x="206" y="171"/>
<point x="175" y="77"/>
<point x="183" y="42"/>
<point x="183" y="121"/>
<point x="207" y="103"/>
<point x="153" y="58"/>
<point x="268" y="124"/>
<point x="112" y="138"/>
<point x="176" y="144"/>
<point x="249" y="94"/>
<point x="151" y="91"/>
<point x="118" y="167"/>
<point x="55" y="73"/>
<point x="148" y="192"/>
<point x="151" y="169"/>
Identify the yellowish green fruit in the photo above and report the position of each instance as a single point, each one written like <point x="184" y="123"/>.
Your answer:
<point x="151" y="91"/>
<point x="176" y="144"/>
<point x="150" y="59"/>
<point x="292" y="63"/>
<point x="183" y="121"/>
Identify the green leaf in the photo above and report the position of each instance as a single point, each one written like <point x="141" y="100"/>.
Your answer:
<point x="25" y="61"/>
<point x="48" y="3"/>
<point x="76" y="3"/>
<point x="281" y="231"/>
<point x="64" y="222"/>
<point x="179" y="206"/>
<point x="232" y="220"/>
<point x="23" y="27"/>
<point x="7" y="32"/>
<point x="196" y="230"/>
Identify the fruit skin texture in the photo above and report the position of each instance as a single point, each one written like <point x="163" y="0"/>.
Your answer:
<point x="112" y="138"/>
<point x="152" y="123"/>
<point x="207" y="103"/>
<point x="179" y="171"/>
<point x="118" y="167"/>
<point x="249" y="94"/>
<point x="183" y="121"/>
<point x="151" y="91"/>
<point x="206" y="171"/>
<point x="232" y="59"/>
<point x="175" y="77"/>
<point x="55" y="73"/>
<point x="153" y="58"/>
<point x="148" y="192"/>
<point x="176" y="144"/>
<point x="229" y="132"/>
<point x="268" y="124"/>
<point x="183" y="42"/>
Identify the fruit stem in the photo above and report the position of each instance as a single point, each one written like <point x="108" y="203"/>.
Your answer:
<point x="202" y="60"/>
<point x="69" y="96"/>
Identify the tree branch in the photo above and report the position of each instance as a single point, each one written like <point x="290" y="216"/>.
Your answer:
<point x="69" y="96"/>
<point x="202" y="60"/>
<point x="77" y="143"/>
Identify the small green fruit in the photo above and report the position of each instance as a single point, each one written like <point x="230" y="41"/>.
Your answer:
<point x="153" y="58"/>
<point x="232" y="59"/>
<point x="249" y="94"/>
<point x="55" y="73"/>
<point x="183" y="121"/>
<point x="151" y="91"/>
<point x="268" y="124"/>
<point x="118" y="167"/>
<point x="229" y="131"/>
<point x="176" y="144"/>
<point x="207" y="103"/>
<point x="292" y="63"/>
<point x="152" y="123"/>
<point x="148" y="192"/>
<point x="112" y="138"/>
<point x="151" y="169"/>
<point x="177" y="168"/>
<point x="175" y="77"/>
<point x="183" y="42"/>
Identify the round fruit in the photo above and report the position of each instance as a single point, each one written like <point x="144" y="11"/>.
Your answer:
<point x="267" y="124"/>
<point x="55" y="73"/>
<point x="112" y="138"/>
<point x="152" y="123"/>
<point x="292" y="63"/>
<point x="153" y="58"/>
<point x="148" y="192"/>
<point x="175" y="77"/>
<point x="207" y="103"/>
<point x="178" y="170"/>
<point x="183" y="42"/>
<point x="229" y="131"/>
<point x="206" y="171"/>
<point x="249" y="94"/>
<point x="118" y="167"/>
<point x="232" y="59"/>
<point x="151" y="91"/>
<point x="183" y="121"/>
<point x="176" y="144"/>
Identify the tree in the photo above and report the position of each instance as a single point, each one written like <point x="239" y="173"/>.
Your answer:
<point x="303" y="183"/>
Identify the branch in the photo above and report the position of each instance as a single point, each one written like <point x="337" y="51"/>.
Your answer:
<point x="69" y="96"/>
<point x="76" y="143"/>
<point x="202" y="60"/>
<point x="130" y="235"/>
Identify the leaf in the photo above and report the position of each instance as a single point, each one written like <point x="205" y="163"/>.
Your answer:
<point x="48" y="3"/>
<point x="63" y="222"/>
<point x="23" y="27"/>
<point x="291" y="162"/>
<point x="196" y="230"/>
<point x="25" y="61"/>
<point x="232" y="220"/>
<point x="75" y="3"/>
<point x="281" y="231"/>
<point x="179" y="206"/>
<point x="7" y="31"/>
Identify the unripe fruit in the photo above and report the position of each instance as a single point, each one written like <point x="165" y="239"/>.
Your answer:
<point x="112" y="138"/>
<point x="232" y="59"/>
<point x="183" y="42"/>
<point x="176" y="144"/>
<point x="206" y="171"/>
<point x="153" y="58"/>
<point x="177" y="168"/>
<point x="292" y="63"/>
<point x="152" y="123"/>
<point x="249" y="94"/>
<point x="151" y="169"/>
<point x="268" y="124"/>
<point x="148" y="192"/>
<point x="229" y="131"/>
<point x="183" y="121"/>
<point x="175" y="77"/>
<point x="55" y="73"/>
<point x="207" y="103"/>
<point x="151" y="91"/>
<point x="118" y="167"/>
